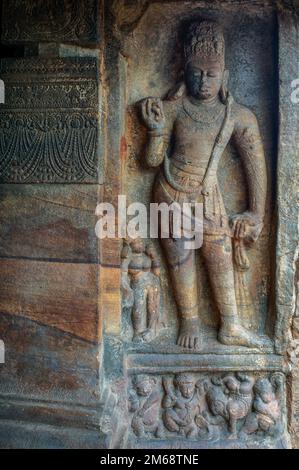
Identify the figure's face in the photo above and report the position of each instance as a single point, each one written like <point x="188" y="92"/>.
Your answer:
<point x="186" y="389"/>
<point x="144" y="388"/>
<point x="204" y="78"/>
<point x="137" y="245"/>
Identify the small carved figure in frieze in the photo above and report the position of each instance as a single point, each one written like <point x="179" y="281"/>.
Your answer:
<point x="182" y="407"/>
<point x="216" y="401"/>
<point x="266" y="416"/>
<point x="145" y="403"/>
<point x="240" y="399"/>
<point x="230" y="399"/>
<point x="188" y="133"/>
<point x="141" y="288"/>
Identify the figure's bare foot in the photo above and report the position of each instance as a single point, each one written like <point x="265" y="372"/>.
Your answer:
<point x="237" y="335"/>
<point x="144" y="337"/>
<point x="189" y="333"/>
<point x="148" y="335"/>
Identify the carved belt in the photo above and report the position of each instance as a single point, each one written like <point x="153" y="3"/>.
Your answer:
<point x="180" y="162"/>
<point x="177" y="186"/>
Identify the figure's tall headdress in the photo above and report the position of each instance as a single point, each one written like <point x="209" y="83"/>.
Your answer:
<point x="205" y="40"/>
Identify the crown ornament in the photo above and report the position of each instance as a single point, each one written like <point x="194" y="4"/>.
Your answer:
<point x="205" y="40"/>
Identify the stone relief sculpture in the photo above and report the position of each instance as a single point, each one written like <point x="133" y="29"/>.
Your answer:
<point x="187" y="135"/>
<point x="234" y="406"/>
<point x="141" y="288"/>
<point x="69" y="120"/>
<point x="182" y="406"/>
<point x="266" y="416"/>
<point x="145" y="402"/>
<point x="230" y="398"/>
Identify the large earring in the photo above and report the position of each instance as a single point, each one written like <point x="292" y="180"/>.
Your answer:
<point x="178" y="90"/>
<point x="224" y="87"/>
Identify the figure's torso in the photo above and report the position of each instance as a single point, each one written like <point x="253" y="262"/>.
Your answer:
<point x="140" y="263"/>
<point x="194" y="139"/>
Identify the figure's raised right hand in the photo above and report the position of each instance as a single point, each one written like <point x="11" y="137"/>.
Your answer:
<point x="153" y="114"/>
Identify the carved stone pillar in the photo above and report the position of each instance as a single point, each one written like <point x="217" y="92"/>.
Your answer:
<point x="50" y="172"/>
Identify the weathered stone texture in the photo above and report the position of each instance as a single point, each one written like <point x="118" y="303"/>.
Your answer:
<point x="48" y="249"/>
<point x="50" y="21"/>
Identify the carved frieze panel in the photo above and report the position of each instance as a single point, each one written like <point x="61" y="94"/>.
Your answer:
<point x="47" y="20"/>
<point x="189" y="410"/>
<point x="49" y="121"/>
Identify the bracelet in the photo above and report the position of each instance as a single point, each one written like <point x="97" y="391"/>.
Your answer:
<point x="156" y="133"/>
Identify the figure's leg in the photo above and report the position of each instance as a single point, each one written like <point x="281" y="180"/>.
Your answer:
<point x="192" y="430"/>
<point x="232" y="425"/>
<point x="138" y="313"/>
<point x="155" y="429"/>
<point x="159" y="432"/>
<point x="153" y="304"/>
<point x="251" y="424"/>
<point x="217" y="253"/>
<point x="170" y="421"/>
<point x="138" y="426"/>
<point x="182" y="268"/>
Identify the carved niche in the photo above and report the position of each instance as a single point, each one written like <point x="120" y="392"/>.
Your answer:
<point x="49" y="122"/>
<point x="49" y="20"/>
<point x="187" y="134"/>
<point x="199" y="129"/>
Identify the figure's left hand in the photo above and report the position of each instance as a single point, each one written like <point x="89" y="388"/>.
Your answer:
<point x="156" y="272"/>
<point x="246" y="226"/>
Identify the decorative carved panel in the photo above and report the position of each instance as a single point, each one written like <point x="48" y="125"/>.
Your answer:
<point x="49" y="123"/>
<point x="189" y="410"/>
<point x="47" y="20"/>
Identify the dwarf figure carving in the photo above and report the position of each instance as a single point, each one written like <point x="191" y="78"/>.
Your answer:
<point x="145" y="403"/>
<point x="187" y="135"/>
<point x="266" y="416"/>
<point x="141" y="288"/>
<point x="230" y="399"/>
<point x="182" y="410"/>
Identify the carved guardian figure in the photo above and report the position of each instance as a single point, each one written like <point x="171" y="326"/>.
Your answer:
<point x="187" y="135"/>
